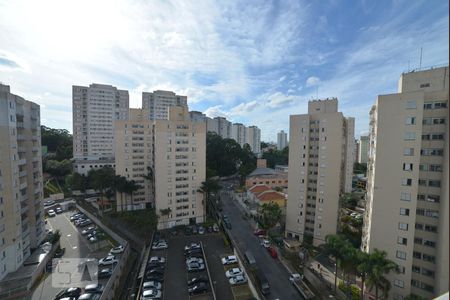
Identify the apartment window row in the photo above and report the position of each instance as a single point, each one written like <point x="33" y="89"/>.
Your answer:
<point x="421" y="285"/>
<point x="399" y="283"/>
<point x="424" y="242"/>
<point x="435" y="105"/>
<point x="431" y="183"/>
<point x="426" y="227"/>
<point x="432" y="152"/>
<point x="433" y="121"/>
<point x="432" y="136"/>
<point x="423" y="271"/>
<point x="427" y="213"/>
<point x="430" y="168"/>
<point x="429" y="198"/>
<point x="424" y="257"/>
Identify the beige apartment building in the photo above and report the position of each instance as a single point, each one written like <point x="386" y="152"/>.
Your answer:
<point x="254" y="139"/>
<point x="156" y="103"/>
<point x="21" y="209"/>
<point x="94" y="109"/>
<point x="281" y="140"/>
<point x="239" y="133"/>
<point x="321" y="157"/>
<point x="408" y="190"/>
<point x="363" y="149"/>
<point x="134" y="159"/>
<point x="173" y="151"/>
<point x="180" y="168"/>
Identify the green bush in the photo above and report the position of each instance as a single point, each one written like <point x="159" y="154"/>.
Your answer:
<point x="355" y="290"/>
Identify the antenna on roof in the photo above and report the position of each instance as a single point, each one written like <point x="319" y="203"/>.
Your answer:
<point x="420" y="63"/>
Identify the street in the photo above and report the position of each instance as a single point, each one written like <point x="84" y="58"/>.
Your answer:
<point x="242" y="234"/>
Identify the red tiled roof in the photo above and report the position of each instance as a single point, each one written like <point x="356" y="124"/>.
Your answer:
<point x="259" y="188"/>
<point x="270" y="195"/>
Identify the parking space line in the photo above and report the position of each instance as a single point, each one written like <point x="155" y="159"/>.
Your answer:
<point x="76" y="229"/>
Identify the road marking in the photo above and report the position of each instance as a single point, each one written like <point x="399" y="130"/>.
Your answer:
<point x="76" y="230"/>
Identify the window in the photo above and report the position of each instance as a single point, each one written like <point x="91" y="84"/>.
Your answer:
<point x="431" y="152"/>
<point x="429" y="243"/>
<point x="410" y="121"/>
<point x="423" y="167"/>
<point x="429" y="258"/>
<point x="404" y="211"/>
<point x="427" y="121"/>
<point x="433" y="198"/>
<point x="403" y="226"/>
<point x="417" y="255"/>
<point x="428" y="105"/>
<point x="405" y="196"/>
<point x="427" y="272"/>
<point x="434" y="183"/>
<point x="424" y="85"/>
<point x="399" y="283"/>
<point x="422" y="182"/>
<point x="410" y="136"/>
<point x="407" y="167"/>
<point x="438" y="105"/>
<point x="408" y="151"/>
<point x="416" y="269"/>
<point x="437" y="136"/>
<point x="438" y="121"/>
<point x="402" y="240"/>
<point x="435" y="168"/>
<point x="418" y="240"/>
<point x="411" y="104"/>
<point x="406" y="181"/>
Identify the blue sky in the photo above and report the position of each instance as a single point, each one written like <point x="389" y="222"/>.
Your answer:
<point x="255" y="62"/>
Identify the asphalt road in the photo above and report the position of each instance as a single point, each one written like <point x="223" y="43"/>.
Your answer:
<point x="242" y="234"/>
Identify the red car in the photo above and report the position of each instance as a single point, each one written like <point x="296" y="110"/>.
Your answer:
<point x="259" y="232"/>
<point x="272" y="252"/>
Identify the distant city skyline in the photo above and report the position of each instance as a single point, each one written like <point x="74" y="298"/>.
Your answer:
<point x="252" y="63"/>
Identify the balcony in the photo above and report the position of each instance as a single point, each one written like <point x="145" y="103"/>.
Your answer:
<point x="21" y="149"/>
<point x="22" y="161"/>
<point x="22" y="173"/>
<point x="36" y="158"/>
<point x="24" y="209"/>
<point x="20" y="137"/>
<point x="23" y="185"/>
<point x="19" y="125"/>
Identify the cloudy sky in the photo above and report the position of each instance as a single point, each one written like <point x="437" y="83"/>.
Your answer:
<point x="255" y="62"/>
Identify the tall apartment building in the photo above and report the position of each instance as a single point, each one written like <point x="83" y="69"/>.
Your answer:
<point x="221" y="126"/>
<point x="321" y="156"/>
<point x="239" y="134"/>
<point x="363" y="149"/>
<point x="281" y="140"/>
<point x="134" y="159"/>
<point x="95" y="108"/>
<point x="254" y="139"/>
<point x="407" y="209"/>
<point x="197" y="116"/>
<point x="21" y="210"/>
<point x="156" y="103"/>
<point x="357" y="150"/>
<point x="180" y="168"/>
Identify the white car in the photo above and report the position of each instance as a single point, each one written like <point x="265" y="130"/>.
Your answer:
<point x="233" y="272"/>
<point x="265" y="243"/>
<point x="229" y="260"/>
<point x="156" y="259"/>
<point x="201" y="230"/>
<point x="117" y="250"/>
<point x="151" y="294"/>
<point x="160" y="245"/>
<point x="151" y="285"/>
<point x="106" y="261"/>
<point x="194" y="260"/>
<point x="239" y="279"/>
<point x="192" y="246"/>
<point x="51" y="213"/>
<point x="88" y="230"/>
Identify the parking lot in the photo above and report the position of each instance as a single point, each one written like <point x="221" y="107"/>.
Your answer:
<point x="76" y="246"/>
<point x="176" y="276"/>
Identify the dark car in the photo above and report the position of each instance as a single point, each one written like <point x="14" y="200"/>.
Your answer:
<point x="154" y="277"/>
<point x="195" y="280"/>
<point x="157" y="269"/>
<point x="59" y="252"/>
<point x="199" y="288"/>
<point x="192" y="251"/>
<point x="155" y="265"/>
<point x="104" y="273"/>
<point x="94" y="288"/>
<point x="70" y="292"/>
<point x="194" y="254"/>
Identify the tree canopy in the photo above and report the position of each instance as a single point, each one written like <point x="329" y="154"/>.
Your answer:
<point x="58" y="141"/>
<point x="276" y="157"/>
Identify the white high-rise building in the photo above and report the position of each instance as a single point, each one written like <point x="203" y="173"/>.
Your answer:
<point x="321" y="157"/>
<point x="239" y="134"/>
<point x="281" y="140"/>
<point x="407" y="210"/>
<point x="21" y="208"/>
<point x="95" y="108"/>
<point x="158" y="102"/>
<point x="221" y="126"/>
<point x="363" y="149"/>
<point x="254" y="139"/>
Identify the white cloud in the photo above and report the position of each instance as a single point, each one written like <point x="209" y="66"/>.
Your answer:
<point x="312" y="81"/>
<point x="282" y="78"/>
<point x="279" y="99"/>
<point x="244" y="108"/>
<point x="216" y="111"/>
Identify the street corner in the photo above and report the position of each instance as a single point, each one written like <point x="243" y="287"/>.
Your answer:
<point x="69" y="272"/>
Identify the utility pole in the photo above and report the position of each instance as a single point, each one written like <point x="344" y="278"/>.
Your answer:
<point x="420" y="63"/>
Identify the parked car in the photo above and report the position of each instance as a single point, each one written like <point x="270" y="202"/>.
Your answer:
<point x="156" y="268"/>
<point x="49" y="202"/>
<point x="229" y="260"/>
<point x="76" y="216"/>
<point x="199" y="288"/>
<point x="215" y="228"/>
<point x="51" y="213"/>
<point x="239" y="279"/>
<point x="265" y="243"/>
<point x="193" y="260"/>
<point x="69" y="292"/>
<point x="210" y="229"/>
<point x="233" y="272"/>
<point x="197" y="254"/>
<point x="259" y="232"/>
<point x="117" y="250"/>
<point x="155" y="272"/>
<point x="59" y="253"/>
<point x="88" y="230"/>
<point x="272" y="252"/>
<point x="196" y="280"/>
<point x="151" y="285"/>
<point x="157" y="259"/>
<point x="106" y="261"/>
<point x="94" y="288"/>
<point x="154" y="277"/>
<point x="151" y="294"/>
<point x="59" y="210"/>
<point x="195" y="266"/>
<point x="201" y="230"/>
<point x="89" y="296"/>
<point x="84" y="223"/>
<point x="192" y="251"/>
<point x="104" y="273"/>
<point x="160" y="245"/>
<point x="192" y="246"/>
<point x="78" y="221"/>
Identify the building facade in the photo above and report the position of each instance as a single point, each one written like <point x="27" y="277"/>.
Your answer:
<point x="281" y="140"/>
<point x="407" y="208"/>
<point x="239" y="134"/>
<point x="254" y="139"/>
<point x="134" y="159"/>
<point x="21" y="207"/>
<point x="180" y="169"/>
<point x="363" y="149"/>
<point x="321" y="157"/>
<point x="158" y="102"/>
<point x="94" y="110"/>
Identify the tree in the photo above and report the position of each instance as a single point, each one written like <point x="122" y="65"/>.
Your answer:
<point x="364" y="267"/>
<point x="270" y="215"/>
<point x="76" y="181"/>
<point x="359" y="168"/>
<point x="207" y="188"/>
<point x="58" y="169"/>
<point x="102" y="180"/>
<point x="58" y="141"/>
<point x="120" y="183"/>
<point x="332" y="247"/>
<point x="131" y="187"/>
<point x="275" y="157"/>
<point x="380" y="266"/>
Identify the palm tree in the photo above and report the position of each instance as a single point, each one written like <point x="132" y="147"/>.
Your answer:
<point x="207" y="188"/>
<point x="150" y="178"/>
<point x="380" y="266"/>
<point x="120" y="185"/>
<point x="333" y="246"/>
<point x="364" y="267"/>
<point x="131" y="187"/>
<point x="348" y="263"/>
